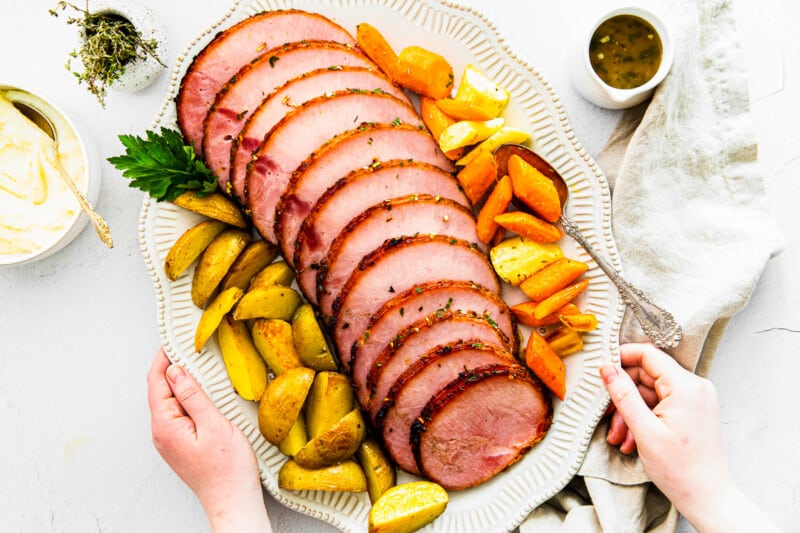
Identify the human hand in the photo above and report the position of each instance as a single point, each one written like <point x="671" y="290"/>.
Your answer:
<point x="680" y="440"/>
<point x="205" y="450"/>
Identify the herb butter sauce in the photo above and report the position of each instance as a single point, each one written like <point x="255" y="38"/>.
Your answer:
<point x="625" y="51"/>
<point x="36" y="208"/>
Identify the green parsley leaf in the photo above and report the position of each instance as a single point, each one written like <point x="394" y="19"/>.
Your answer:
<point x="163" y="166"/>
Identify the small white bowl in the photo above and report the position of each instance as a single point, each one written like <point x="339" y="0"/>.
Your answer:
<point x="91" y="165"/>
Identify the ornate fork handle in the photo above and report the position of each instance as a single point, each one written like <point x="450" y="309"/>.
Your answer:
<point x="657" y="323"/>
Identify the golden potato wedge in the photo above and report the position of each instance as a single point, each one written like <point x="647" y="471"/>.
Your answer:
<point x="273" y="340"/>
<point x="275" y="301"/>
<point x="213" y="315"/>
<point x="215" y="262"/>
<point x="504" y="135"/>
<point x="346" y="476"/>
<point x="517" y="258"/>
<point x="250" y="262"/>
<point x="296" y="439"/>
<point x="277" y="273"/>
<point x="246" y="369"/>
<point x="281" y="403"/>
<point x="190" y="245"/>
<point x="330" y="398"/>
<point x="335" y="444"/>
<point x="481" y="92"/>
<point x="214" y="206"/>
<point x="407" y="507"/>
<point x="309" y="342"/>
<point x="468" y="132"/>
<point x="380" y="472"/>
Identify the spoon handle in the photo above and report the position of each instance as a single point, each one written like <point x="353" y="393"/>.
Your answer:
<point x="657" y="323"/>
<point x="99" y="223"/>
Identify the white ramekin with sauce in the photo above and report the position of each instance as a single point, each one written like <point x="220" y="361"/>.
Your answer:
<point x="38" y="214"/>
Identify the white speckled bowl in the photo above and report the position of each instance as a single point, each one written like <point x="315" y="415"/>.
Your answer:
<point x="91" y="189"/>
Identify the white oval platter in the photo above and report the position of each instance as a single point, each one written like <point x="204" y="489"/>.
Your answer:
<point x="463" y="36"/>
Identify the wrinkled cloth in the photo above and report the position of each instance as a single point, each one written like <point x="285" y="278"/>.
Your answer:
<point x="693" y="231"/>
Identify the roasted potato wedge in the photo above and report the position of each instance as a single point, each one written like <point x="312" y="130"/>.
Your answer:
<point x="277" y="273"/>
<point x="246" y="369"/>
<point x="504" y="135"/>
<point x="281" y="403"/>
<point x="296" y="439"/>
<point x="380" y="472"/>
<point x="407" y="507"/>
<point x="335" y="444"/>
<point x="346" y="476"/>
<point x="190" y="245"/>
<point x="273" y="340"/>
<point x="275" y="301"/>
<point x="215" y="262"/>
<point x="468" y="132"/>
<point x="250" y="262"/>
<point x="213" y="315"/>
<point x="330" y="398"/>
<point x="517" y="258"/>
<point x="481" y="92"/>
<point x="214" y="206"/>
<point x="309" y="342"/>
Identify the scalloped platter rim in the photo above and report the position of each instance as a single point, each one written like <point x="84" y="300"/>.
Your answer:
<point x="464" y="36"/>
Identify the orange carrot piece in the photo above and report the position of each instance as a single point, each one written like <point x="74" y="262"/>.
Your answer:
<point x="552" y="278"/>
<point x="560" y="298"/>
<point x="546" y="364"/>
<point x="424" y="72"/>
<point x="534" y="189"/>
<point x="496" y="203"/>
<point x="461" y="110"/>
<point x="372" y="43"/>
<point x="529" y="226"/>
<point x="580" y="322"/>
<point x="564" y="341"/>
<point x="478" y="176"/>
<point x="524" y="314"/>
<point x="437" y="121"/>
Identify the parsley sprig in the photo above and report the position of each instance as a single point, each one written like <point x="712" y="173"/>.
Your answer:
<point x="163" y="166"/>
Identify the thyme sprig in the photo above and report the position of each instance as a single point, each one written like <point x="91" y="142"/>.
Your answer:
<point x="108" y="44"/>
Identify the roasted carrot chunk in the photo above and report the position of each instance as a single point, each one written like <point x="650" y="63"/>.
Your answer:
<point x="552" y="278"/>
<point x="535" y="189"/>
<point x="496" y="203"/>
<point x="478" y="176"/>
<point x="372" y="43"/>
<point x="564" y="341"/>
<point x="424" y="72"/>
<point x="546" y="364"/>
<point x="560" y="298"/>
<point x="437" y="121"/>
<point x="462" y="110"/>
<point x="580" y="322"/>
<point x="529" y="226"/>
<point x="524" y="314"/>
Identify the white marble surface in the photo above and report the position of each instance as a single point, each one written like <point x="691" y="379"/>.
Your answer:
<point x="77" y="330"/>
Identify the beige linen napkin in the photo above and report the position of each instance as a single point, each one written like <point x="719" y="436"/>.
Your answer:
<point x="693" y="231"/>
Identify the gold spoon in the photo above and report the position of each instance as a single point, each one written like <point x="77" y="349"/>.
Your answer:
<point x="657" y="323"/>
<point x="43" y="122"/>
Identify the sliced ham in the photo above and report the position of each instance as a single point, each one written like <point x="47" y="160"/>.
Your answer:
<point x="234" y="48"/>
<point x="417" y="303"/>
<point x="420" y="382"/>
<point x="237" y="100"/>
<point x="479" y="425"/>
<point x="293" y="93"/>
<point x="302" y="132"/>
<point x="367" y="148"/>
<point x="398" y="265"/>
<point x="439" y="328"/>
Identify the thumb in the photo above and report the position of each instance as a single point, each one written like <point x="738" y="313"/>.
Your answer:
<point x="187" y="391"/>
<point x="629" y="403"/>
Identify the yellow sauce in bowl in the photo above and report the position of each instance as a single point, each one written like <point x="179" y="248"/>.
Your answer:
<point x="625" y="51"/>
<point x="36" y="208"/>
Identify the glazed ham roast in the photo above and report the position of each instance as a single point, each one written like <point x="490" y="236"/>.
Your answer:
<point x="336" y="167"/>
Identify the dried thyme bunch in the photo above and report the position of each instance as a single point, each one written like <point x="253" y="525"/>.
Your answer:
<point x="109" y="42"/>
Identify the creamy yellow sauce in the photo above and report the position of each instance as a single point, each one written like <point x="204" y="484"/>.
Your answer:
<point x="36" y="208"/>
<point x="625" y="51"/>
